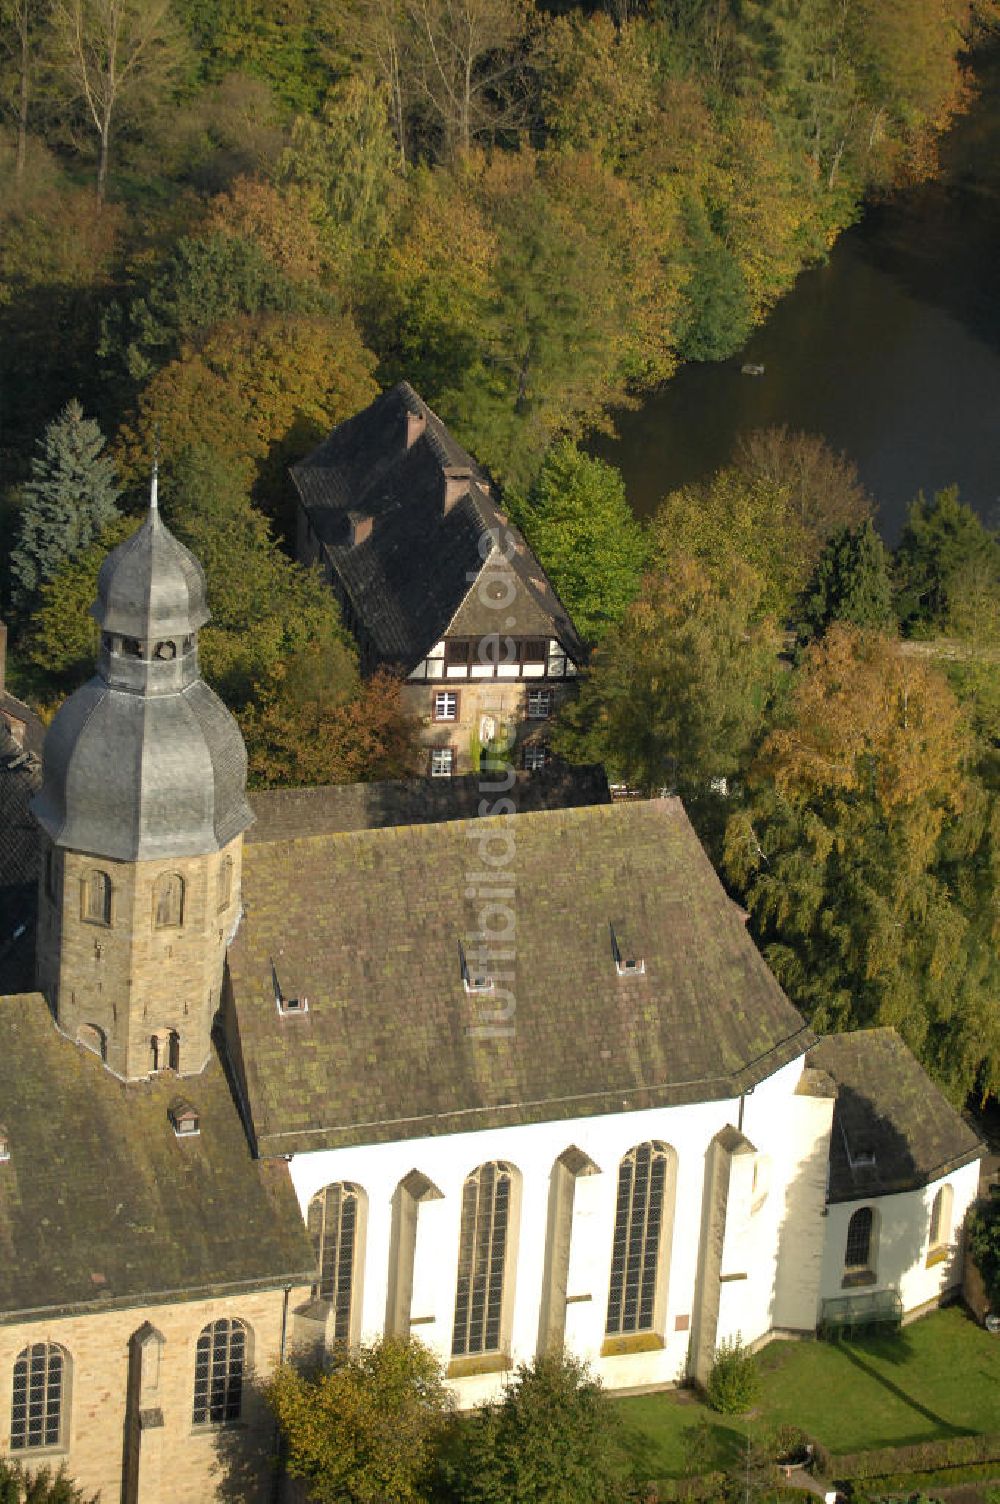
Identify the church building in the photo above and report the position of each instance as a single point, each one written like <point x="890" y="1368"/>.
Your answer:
<point x="496" y="1066"/>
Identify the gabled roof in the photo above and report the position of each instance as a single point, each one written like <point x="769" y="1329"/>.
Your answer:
<point x="102" y="1204"/>
<point x="368" y="925"/>
<point x="892" y="1129"/>
<point x="284" y="814"/>
<point x="409" y="579"/>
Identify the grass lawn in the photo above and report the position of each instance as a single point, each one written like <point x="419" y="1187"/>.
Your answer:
<point x="939" y="1377"/>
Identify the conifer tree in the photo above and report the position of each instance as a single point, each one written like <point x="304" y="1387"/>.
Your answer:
<point x="68" y="500"/>
<point x="850" y="583"/>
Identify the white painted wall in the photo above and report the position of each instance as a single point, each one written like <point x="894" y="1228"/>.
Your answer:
<point x="752" y="1241"/>
<point x="903" y="1232"/>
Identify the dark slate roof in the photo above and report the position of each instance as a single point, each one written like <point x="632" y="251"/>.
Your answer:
<point x="367" y="926"/>
<point x="283" y="814"/>
<point x="415" y="573"/>
<point x="102" y="1204"/>
<point x="20" y="776"/>
<point x="151" y="585"/>
<point x="888" y="1110"/>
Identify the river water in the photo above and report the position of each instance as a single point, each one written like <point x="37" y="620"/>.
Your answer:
<point x="891" y="350"/>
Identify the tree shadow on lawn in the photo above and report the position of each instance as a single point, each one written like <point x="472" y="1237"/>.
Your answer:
<point x="707" y="1445"/>
<point x="855" y="1353"/>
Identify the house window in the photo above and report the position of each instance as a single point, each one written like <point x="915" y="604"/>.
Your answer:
<point x="219" y="1368"/>
<point x="941" y="1213"/>
<point x="534" y="756"/>
<point x="334" y="1227"/>
<point x="36" y="1420"/>
<point x="635" y="1252"/>
<point x="50" y="873"/>
<point x="168" y="902"/>
<point x="482" y="1261"/>
<point x="165" y="1051"/>
<point x="445" y="706"/>
<point x="533" y="650"/>
<point x="540" y="704"/>
<point x="225" y="884"/>
<point x="858" y="1263"/>
<point x="96" y="897"/>
<point x="442" y="762"/>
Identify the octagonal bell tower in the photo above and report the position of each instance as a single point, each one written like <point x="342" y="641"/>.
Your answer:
<point x="143" y="808"/>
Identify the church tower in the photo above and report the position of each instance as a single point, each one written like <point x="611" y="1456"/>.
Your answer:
<point x="143" y="808"/>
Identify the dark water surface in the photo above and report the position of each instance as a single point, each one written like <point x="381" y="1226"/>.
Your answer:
<point x="891" y="350"/>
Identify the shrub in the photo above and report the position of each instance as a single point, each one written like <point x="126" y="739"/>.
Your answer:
<point x="734" y="1381"/>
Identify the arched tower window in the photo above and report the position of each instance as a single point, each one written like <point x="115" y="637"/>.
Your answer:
<point x="335" y="1218"/>
<point x="860" y="1248"/>
<point x="92" y="1037"/>
<point x="41" y="1372"/>
<point x="168" y="901"/>
<point x="219" y="1370"/>
<point x="482" y="1260"/>
<point x="941" y="1215"/>
<point x="96" y="897"/>
<point x="225" y="891"/>
<point x="635" y="1252"/>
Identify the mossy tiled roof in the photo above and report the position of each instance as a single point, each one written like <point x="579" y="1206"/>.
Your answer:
<point x="101" y="1203"/>
<point x="892" y="1129"/>
<point x="367" y="926"/>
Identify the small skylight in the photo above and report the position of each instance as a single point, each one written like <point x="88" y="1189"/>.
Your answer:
<point x="476" y="978"/>
<point x="628" y="961"/>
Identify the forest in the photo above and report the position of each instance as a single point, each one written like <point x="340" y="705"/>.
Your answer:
<point x="225" y="225"/>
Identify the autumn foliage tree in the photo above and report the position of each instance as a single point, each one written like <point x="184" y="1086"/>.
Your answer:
<point x="862" y="854"/>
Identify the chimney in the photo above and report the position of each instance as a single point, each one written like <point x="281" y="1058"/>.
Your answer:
<point x="455" y="481"/>
<point x="415" y="425"/>
<point x="360" y="525"/>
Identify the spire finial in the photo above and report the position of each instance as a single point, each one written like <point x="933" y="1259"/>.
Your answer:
<point x="154" y="504"/>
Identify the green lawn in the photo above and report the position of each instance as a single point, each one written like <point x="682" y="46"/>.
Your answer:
<point x="939" y="1377"/>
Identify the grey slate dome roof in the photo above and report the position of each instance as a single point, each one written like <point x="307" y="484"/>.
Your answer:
<point x="151" y="585"/>
<point x="145" y="761"/>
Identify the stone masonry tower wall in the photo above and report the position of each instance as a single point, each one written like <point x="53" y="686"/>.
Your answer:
<point x="143" y="809"/>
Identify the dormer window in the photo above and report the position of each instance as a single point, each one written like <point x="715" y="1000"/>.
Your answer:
<point x="287" y="1006"/>
<point x="628" y="961"/>
<point x="4" y="1146"/>
<point x="475" y="978"/>
<point x="183" y="1118"/>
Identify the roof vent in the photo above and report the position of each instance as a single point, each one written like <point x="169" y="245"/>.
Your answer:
<point x="476" y="979"/>
<point x="360" y="527"/>
<point x="287" y="1006"/>
<point x="183" y="1118"/>
<point x="4" y="1145"/>
<point x="628" y="962"/>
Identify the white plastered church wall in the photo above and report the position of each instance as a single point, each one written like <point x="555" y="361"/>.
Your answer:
<point x="773" y="1117"/>
<point x="901" y="1241"/>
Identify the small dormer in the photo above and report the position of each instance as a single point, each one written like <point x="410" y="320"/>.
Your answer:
<point x="359" y="528"/>
<point x="288" y="1007"/>
<point x="475" y="978"/>
<point x="4" y="1145"/>
<point x="628" y="958"/>
<point x="184" y="1119"/>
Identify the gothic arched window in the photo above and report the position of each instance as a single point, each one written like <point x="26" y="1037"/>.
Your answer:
<point x="168" y="901"/>
<point x="96" y="897"/>
<point x="225" y="891"/>
<point x="860" y="1248"/>
<point x="335" y="1217"/>
<point x="482" y="1260"/>
<point x="635" y="1252"/>
<point x="219" y="1370"/>
<point x="37" y="1415"/>
<point x="941" y="1214"/>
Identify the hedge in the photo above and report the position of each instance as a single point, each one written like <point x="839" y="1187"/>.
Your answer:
<point x="920" y="1457"/>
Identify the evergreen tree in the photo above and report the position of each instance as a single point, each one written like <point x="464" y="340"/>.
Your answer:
<point x="945" y="552"/>
<point x="68" y="500"/>
<point x="578" y="522"/>
<point x="850" y="583"/>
